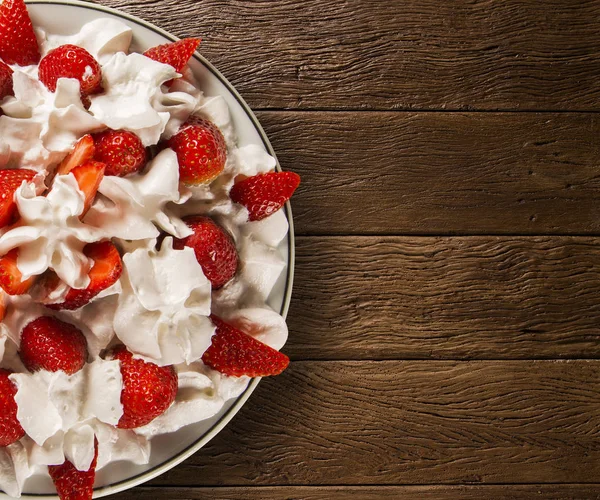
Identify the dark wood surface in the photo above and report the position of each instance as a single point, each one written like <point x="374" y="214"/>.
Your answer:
<point x="445" y="322"/>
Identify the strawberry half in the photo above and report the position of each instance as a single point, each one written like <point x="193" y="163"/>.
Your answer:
<point x="105" y="272"/>
<point x="71" y="61"/>
<point x="89" y="176"/>
<point x="50" y="344"/>
<point x="214" y="248"/>
<point x="121" y="151"/>
<point x="236" y="353"/>
<point x="175" y="54"/>
<point x="18" y="44"/>
<point x="83" y="151"/>
<point x="201" y="151"/>
<point x="10" y="428"/>
<point x="148" y="389"/>
<point x="264" y="194"/>
<point x="6" y="80"/>
<point x="10" y="181"/>
<point x="73" y="484"/>
<point x="11" y="279"/>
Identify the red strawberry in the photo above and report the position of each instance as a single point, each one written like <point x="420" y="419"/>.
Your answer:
<point x="18" y="44"/>
<point x="83" y="151"/>
<point x="73" y="484"/>
<point x="70" y="61"/>
<point x="214" y="248"/>
<point x="10" y="276"/>
<point x="105" y="272"/>
<point x="50" y="344"/>
<point x="89" y="176"/>
<point x="264" y="194"/>
<point x="201" y="151"/>
<point x="10" y="181"/>
<point x="175" y="54"/>
<point x="235" y="353"/>
<point x="10" y="428"/>
<point x="2" y="305"/>
<point x="6" y="80"/>
<point x="148" y="389"/>
<point x="121" y="151"/>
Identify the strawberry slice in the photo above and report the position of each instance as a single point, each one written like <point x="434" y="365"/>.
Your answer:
<point x="18" y="44"/>
<point x="235" y="353"/>
<point x="89" y="176"/>
<point x="105" y="272"/>
<point x="264" y="194"/>
<point x="83" y="151"/>
<point x="6" y="80"/>
<point x="175" y="54"/>
<point x="73" y="484"/>
<point x="10" y="428"/>
<point x="2" y="305"/>
<point x="11" y="279"/>
<point x="10" y="181"/>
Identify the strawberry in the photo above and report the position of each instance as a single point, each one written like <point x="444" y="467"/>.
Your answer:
<point x="201" y="151"/>
<point x="18" y="44"/>
<point x="175" y="54"/>
<point x="11" y="279"/>
<point x="236" y="353"/>
<point x="6" y="80"/>
<point x="264" y="194"/>
<point x="148" y="389"/>
<point x="83" y="151"/>
<point x="89" y="176"/>
<point x="10" y="428"/>
<point x="70" y="61"/>
<point x="50" y="344"/>
<point x="73" y="484"/>
<point x="105" y="272"/>
<point x="214" y="248"/>
<point x="10" y="181"/>
<point x="2" y="305"/>
<point x="121" y="151"/>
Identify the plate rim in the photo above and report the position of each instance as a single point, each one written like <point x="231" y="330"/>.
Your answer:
<point x="157" y="470"/>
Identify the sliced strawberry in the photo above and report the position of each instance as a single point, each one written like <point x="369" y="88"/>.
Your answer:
<point x="121" y="151"/>
<point x="10" y="181"/>
<point x="264" y="194"/>
<point x="89" y="176"/>
<point x="201" y="151"/>
<point x="83" y="151"/>
<point x="6" y="80"/>
<point x="175" y="54"/>
<point x="148" y="389"/>
<point x="73" y="484"/>
<point x="18" y="44"/>
<point x="214" y="248"/>
<point x="105" y="272"/>
<point x="10" y="276"/>
<point x="235" y="353"/>
<point x="71" y="61"/>
<point x="10" y="428"/>
<point x="2" y="305"/>
<point x="53" y="345"/>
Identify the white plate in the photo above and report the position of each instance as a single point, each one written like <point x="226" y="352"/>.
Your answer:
<point x="65" y="17"/>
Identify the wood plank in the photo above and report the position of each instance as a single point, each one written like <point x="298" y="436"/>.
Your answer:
<point x="495" y="492"/>
<point x="441" y="173"/>
<point x="493" y="54"/>
<point x="480" y="297"/>
<point x="414" y="423"/>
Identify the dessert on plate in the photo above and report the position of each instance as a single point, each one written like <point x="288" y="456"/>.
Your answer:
<point x="138" y="248"/>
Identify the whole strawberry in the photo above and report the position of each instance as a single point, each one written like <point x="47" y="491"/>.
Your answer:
<point x="214" y="248"/>
<point x="18" y="44"/>
<point x="148" y="389"/>
<point x="71" y="61"/>
<point x="201" y="151"/>
<point x="264" y="194"/>
<point x="235" y="353"/>
<point x="175" y="54"/>
<point x="53" y="345"/>
<point x="6" y="80"/>
<point x="10" y="428"/>
<point x="73" y="484"/>
<point x="121" y="151"/>
<point x="10" y="181"/>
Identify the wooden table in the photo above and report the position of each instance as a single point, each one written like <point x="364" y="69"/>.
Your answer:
<point x="445" y="321"/>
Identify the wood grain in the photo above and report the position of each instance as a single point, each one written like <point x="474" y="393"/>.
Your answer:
<point x="390" y="422"/>
<point x="441" y="173"/>
<point x="427" y="54"/>
<point x="457" y="298"/>
<point x="496" y="492"/>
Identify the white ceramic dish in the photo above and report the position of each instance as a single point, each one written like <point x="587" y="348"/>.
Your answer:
<point x="66" y="17"/>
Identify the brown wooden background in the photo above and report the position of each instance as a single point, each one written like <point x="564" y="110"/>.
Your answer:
<point x="445" y="321"/>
